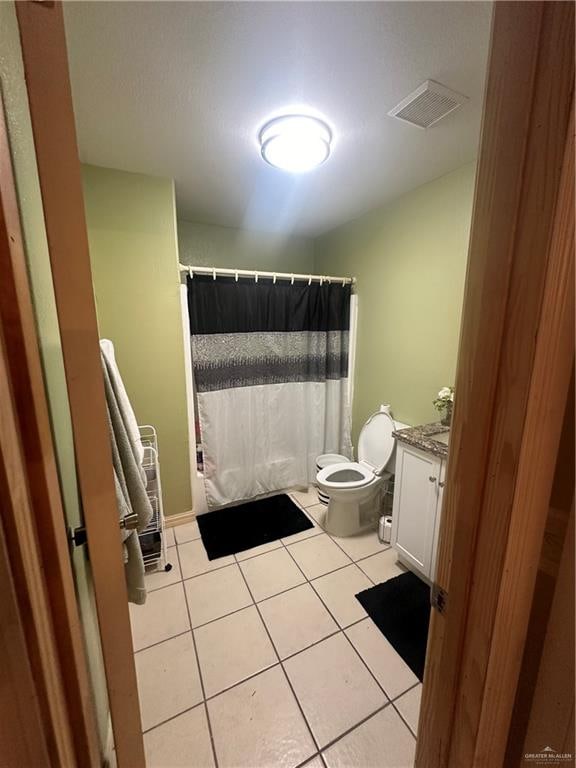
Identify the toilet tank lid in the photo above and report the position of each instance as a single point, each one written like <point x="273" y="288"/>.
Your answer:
<point x="376" y="444"/>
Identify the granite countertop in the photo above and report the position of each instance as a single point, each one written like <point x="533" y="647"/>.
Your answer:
<point x="423" y="437"/>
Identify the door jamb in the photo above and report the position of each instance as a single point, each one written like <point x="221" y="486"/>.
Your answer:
<point x="524" y="139"/>
<point x="530" y="71"/>
<point x="24" y="367"/>
<point x="44" y="54"/>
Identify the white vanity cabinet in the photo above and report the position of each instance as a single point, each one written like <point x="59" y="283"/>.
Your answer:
<point x="418" y="491"/>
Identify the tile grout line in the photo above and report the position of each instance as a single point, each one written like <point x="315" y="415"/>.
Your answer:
<point x="349" y="641"/>
<point x="410" y="731"/>
<point x="309" y="581"/>
<point x="389" y="702"/>
<point x="321" y="531"/>
<point x="296" y="699"/>
<point x="400" y="715"/>
<point x="245" y="560"/>
<point x="280" y="661"/>
<point x="364" y="557"/>
<point x="265" y="669"/>
<point x="173" y="717"/>
<point x="357" y="725"/>
<point x="358" y="654"/>
<point x="165" y="640"/>
<point x="259" y="602"/>
<point x="198" y="666"/>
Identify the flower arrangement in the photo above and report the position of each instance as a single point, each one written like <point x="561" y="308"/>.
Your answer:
<point x="444" y="404"/>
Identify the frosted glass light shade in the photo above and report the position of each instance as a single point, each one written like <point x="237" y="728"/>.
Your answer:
<point x="295" y="143"/>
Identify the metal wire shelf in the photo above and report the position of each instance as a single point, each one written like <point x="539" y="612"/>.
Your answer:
<point x="153" y="537"/>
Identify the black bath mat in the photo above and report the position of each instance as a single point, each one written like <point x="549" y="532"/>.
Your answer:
<point x="400" y="608"/>
<point x="235" y="529"/>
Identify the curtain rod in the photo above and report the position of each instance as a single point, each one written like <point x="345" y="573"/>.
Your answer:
<point x="214" y="271"/>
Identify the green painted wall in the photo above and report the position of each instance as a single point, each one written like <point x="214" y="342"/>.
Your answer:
<point x="409" y="259"/>
<point x="210" y="245"/>
<point x="134" y="253"/>
<point x="32" y="220"/>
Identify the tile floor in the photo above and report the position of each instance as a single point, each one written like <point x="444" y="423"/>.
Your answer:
<point x="267" y="660"/>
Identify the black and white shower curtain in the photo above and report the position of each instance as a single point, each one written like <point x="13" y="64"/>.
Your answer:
<point x="270" y="367"/>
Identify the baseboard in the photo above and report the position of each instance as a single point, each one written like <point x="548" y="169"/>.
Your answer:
<point x="179" y="519"/>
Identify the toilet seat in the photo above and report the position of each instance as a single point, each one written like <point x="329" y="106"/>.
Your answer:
<point x="329" y="475"/>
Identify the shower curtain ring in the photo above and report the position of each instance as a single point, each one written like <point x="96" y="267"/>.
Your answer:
<point x="190" y="273"/>
<point x="255" y="277"/>
<point x="344" y="283"/>
<point x="321" y="280"/>
<point x="236" y="275"/>
<point x="274" y="279"/>
<point x="309" y="279"/>
<point x="213" y="274"/>
<point x="292" y="279"/>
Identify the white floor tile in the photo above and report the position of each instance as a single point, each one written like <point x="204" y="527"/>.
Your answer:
<point x="309" y="532"/>
<point x="162" y="616"/>
<point x="318" y="513"/>
<point x="318" y="555"/>
<point x="338" y="590"/>
<point x="316" y="762"/>
<point x="215" y="594"/>
<point x="382" y="567"/>
<point x="306" y="498"/>
<point x="232" y="649"/>
<point x="296" y="619"/>
<point x="170" y="538"/>
<point x="168" y="680"/>
<point x="383" y="741"/>
<point x="186" y="532"/>
<point x="334" y="687"/>
<point x="409" y="707"/>
<point x="271" y="573"/>
<point x="255" y="551"/>
<point x="258" y="724"/>
<point x="161" y="578"/>
<point x="361" y="545"/>
<point x="194" y="560"/>
<point x="183" y="742"/>
<point x="387" y="666"/>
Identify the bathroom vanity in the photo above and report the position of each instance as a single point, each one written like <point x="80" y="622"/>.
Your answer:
<point x="421" y="456"/>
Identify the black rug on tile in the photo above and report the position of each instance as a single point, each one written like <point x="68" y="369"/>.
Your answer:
<point x="400" y="608"/>
<point x="231" y="530"/>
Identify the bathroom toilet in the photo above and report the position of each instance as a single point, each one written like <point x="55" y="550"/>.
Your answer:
<point x="354" y="488"/>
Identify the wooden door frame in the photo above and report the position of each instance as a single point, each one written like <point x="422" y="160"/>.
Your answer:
<point x="516" y="355"/>
<point x="44" y="53"/>
<point x="29" y="705"/>
<point x="24" y="369"/>
<point x="510" y="317"/>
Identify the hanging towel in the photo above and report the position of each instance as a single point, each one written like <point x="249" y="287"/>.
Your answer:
<point x="129" y="481"/>
<point x="107" y="349"/>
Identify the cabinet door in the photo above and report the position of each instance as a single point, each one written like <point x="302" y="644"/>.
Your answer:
<point x="441" y="481"/>
<point x="415" y="503"/>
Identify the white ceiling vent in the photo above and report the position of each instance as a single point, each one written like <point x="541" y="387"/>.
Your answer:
<point x="426" y="105"/>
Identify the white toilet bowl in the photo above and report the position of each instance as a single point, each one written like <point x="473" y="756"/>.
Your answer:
<point x="354" y="488"/>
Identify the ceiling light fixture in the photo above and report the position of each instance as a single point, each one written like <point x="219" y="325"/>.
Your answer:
<point x="295" y="143"/>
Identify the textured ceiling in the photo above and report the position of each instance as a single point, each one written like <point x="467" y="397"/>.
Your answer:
<point x="181" y="89"/>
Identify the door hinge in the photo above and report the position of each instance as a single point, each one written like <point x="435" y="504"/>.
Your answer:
<point x="438" y="598"/>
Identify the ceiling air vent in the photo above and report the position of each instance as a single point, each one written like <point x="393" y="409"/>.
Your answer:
<point x="428" y="104"/>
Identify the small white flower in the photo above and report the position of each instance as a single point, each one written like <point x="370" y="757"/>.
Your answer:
<point x="444" y="393"/>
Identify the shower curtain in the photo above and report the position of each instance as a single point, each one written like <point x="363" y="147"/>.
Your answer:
<point x="270" y="368"/>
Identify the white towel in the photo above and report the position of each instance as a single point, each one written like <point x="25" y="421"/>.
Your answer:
<point x="108" y="351"/>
